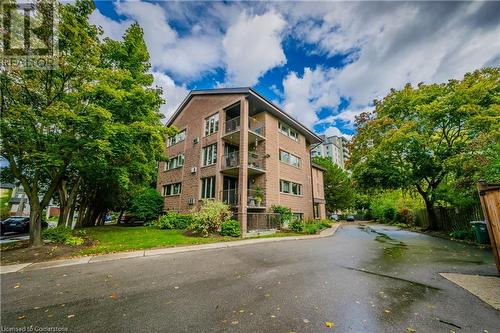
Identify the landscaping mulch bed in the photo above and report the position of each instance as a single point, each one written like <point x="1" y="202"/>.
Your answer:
<point x="19" y="252"/>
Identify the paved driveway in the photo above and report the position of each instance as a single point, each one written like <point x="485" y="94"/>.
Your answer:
<point x="363" y="279"/>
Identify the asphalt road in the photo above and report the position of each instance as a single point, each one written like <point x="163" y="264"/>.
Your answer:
<point x="363" y="279"/>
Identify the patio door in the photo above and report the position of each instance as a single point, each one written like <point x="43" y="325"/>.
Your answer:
<point x="230" y="190"/>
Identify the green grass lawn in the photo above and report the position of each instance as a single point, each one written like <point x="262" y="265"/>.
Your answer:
<point x="117" y="238"/>
<point x="110" y="239"/>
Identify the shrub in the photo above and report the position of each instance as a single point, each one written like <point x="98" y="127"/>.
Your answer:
<point x="462" y="234"/>
<point x="404" y="216"/>
<point x="285" y="213"/>
<point x="147" y="206"/>
<point x="210" y="217"/>
<point x="63" y="235"/>
<point x="313" y="226"/>
<point x="174" y="220"/>
<point x="230" y="228"/>
<point x="296" y="226"/>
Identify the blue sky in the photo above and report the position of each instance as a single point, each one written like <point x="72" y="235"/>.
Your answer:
<point x="322" y="62"/>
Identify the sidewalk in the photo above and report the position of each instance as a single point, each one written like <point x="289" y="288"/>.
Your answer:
<point x="155" y="252"/>
<point x="486" y="288"/>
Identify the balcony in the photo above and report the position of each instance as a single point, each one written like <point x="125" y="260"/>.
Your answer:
<point x="256" y="199"/>
<point x="229" y="197"/>
<point x="231" y="164"/>
<point x="232" y="131"/>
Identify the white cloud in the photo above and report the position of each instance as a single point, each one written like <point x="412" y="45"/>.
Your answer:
<point x="347" y="117"/>
<point x="334" y="131"/>
<point x="112" y="29"/>
<point x="390" y="44"/>
<point x="306" y="95"/>
<point x="173" y="94"/>
<point x="252" y="46"/>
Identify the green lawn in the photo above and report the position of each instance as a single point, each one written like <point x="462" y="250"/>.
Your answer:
<point x="117" y="238"/>
<point x="110" y="239"/>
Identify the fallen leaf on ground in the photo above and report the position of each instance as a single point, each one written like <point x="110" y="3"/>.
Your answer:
<point x="273" y="316"/>
<point x="235" y="322"/>
<point x="21" y="317"/>
<point x="387" y="311"/>
<point x="176" y="287"/>
<point x="306" y="321"/>
<point x="267" y="295"/>
<point x="18" y="285"/>
<point x="329" y="324"/>
<point x="71" y="316"/>
<point x="410" y="330"/>
<point x="241" y="311"/>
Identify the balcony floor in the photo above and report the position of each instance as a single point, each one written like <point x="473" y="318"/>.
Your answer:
<point x="234" y="137"/>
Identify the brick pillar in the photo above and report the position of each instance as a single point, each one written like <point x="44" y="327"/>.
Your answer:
<point x="243" y="174"/>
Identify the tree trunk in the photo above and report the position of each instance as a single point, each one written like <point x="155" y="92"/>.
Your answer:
<point x="35" y="225"/>
<point x="431" y="214"/>
<point x="119" y="221"/>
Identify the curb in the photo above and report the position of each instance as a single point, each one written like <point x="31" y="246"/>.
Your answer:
<point x="157" y="252"/>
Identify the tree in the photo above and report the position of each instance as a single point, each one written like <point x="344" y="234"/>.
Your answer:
<point x="420" y="138"/>
<point x="91" y="125"/>
<point x="46" y="118"/>
<point x="339" y="192"/>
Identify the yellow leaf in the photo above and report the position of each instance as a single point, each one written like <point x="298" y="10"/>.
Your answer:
<point x="235" y="322"/>
<point x="387" y="311"/>
<point x="71" y="316"/>
<point x="329" y="324"/>
<point x="18" y="285"/>
<point x="21" y="317"/>
<point x="410" y="330"/>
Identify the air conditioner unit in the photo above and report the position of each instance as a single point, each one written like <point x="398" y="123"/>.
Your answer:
<point x="191" y="201"/>
<point x="196" y="140"/>
<point x="194" y="169"/>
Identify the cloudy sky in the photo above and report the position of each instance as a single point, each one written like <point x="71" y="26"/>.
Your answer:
<point x="323" y="62"/>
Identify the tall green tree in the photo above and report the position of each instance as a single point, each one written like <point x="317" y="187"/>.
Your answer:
<point x="92" y="125"/>
<point x="339" y="193"/>
<point x="46" y="118"/>
<point x="420" y="138"/>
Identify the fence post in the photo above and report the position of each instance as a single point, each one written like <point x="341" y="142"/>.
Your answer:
<point x="489" y="196"/>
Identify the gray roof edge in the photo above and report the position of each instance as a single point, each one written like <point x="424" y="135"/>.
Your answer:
<point x="241" y="90"/>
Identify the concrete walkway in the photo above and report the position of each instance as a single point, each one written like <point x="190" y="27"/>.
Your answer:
<point x="156" y="252"/>
<point x="486" y="288"/>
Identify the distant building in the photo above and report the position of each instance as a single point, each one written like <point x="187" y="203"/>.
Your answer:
<point x="20" y="205"/>
<point x="333" y="147"/>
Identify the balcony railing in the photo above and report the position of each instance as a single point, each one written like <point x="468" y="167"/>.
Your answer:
<point x="233" y="125"/>
<point x="256" y="198"/>
<point x="229" y="197"/>
<point x="232" y="160"/>
<point x="255" y="161"/>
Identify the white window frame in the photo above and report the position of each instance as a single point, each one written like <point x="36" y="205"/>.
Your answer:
<point x="287" y="187"/>
<point x="287" y="158"/>
<point x="176" y="138"/>
<point x="178" y="162"/>
<point x="211" y="124"/>
<point x="207" y="188"/>
<point x="172" y="189"/>
<point x="288" y="131"/>
<point x="209" y="155"/>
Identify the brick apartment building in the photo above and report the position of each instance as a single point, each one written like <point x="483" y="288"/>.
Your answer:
<point x="234" y="145"/>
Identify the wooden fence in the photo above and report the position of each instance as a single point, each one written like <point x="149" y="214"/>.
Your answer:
<point x="490" y="202"/>
<point x="450" y="218"/>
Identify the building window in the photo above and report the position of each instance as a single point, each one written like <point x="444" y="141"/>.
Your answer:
<point x="209" y="155"/>
<point x="208" y="188"/>
<point x="174" y="162"/>
<point x="290" y="187"/>
<point x="172" y="189"/>
<point x="288" y="158"/>
<point x="298" y="216"/>
<point x="211" y="124"/>
<point x="181" y="136"/>
<point x="288" y="131"/>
